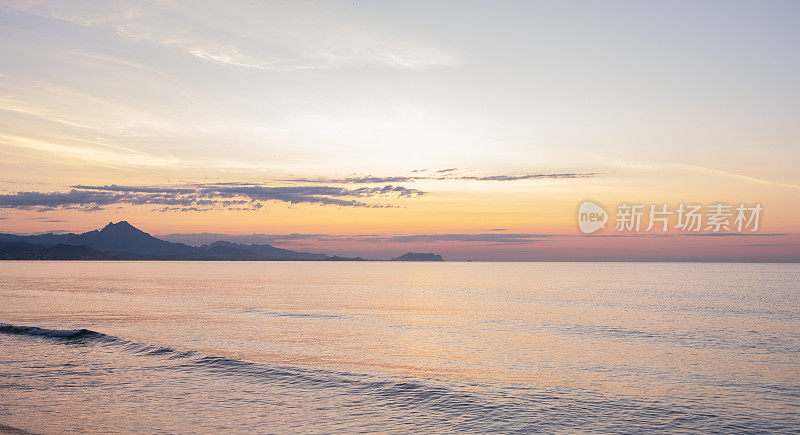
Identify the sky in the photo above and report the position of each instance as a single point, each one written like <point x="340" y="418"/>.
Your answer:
<point x="374" y="128"/>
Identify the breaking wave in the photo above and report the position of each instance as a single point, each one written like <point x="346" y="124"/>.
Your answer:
<point x="64" y="334"/>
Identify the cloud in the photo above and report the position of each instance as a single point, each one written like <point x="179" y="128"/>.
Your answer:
<point x="252" y="35"/>
<point x="200" y="197"/>
<point x="511" y="238"/>
<point x="356" y="180"/>
<point x="484" y="238"/>
<point x="530" y="176"/>
<point x="44" y="219"/>
<point x="326" y="195"/>
<point x="702" y="170"/>
<point x="197" y="239"/>
<point x="51" y="200"/>
<point x="102" y="156"/>
<point x="732" y="175"/>
<point x="108" y="155"/>
<point x="370" y="179"/>
<point x="135" y="189"/>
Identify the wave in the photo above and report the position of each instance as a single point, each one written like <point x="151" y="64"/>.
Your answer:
<point x="752" y="341"/>
<point x="64" y="334"/>
<point x="297" y="315"/>
<point x="399" y="391"/>
<point x="83" y="335"/>
<point x="413" y="403"/>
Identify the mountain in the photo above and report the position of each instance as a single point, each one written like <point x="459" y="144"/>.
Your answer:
<point x="30" y="251"/>
<point x="48" y="239"/>
<point x="267" y="251"/>
<point x="229" y="253"/>
<point x="416" y="256"/>
<point x="123" y="237"/>
<point x="123" y="241"/>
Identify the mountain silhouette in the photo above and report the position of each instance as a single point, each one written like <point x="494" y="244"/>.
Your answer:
<point x="123" y="241"/>
<point x="30" y="251"/>
<point x="265" y="250"/>
<point x="416" y="256"/>
<point x="123" y="237"/>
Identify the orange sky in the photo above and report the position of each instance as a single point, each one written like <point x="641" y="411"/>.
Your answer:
<point x="358" y="124"/>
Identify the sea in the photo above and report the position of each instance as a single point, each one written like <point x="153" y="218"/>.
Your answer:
<point x="322" y="347"/>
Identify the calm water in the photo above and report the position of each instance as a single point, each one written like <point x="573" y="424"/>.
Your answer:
<point x="322" y="347"/>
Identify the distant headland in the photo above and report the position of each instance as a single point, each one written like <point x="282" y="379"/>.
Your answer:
<point x="416" y="256"/>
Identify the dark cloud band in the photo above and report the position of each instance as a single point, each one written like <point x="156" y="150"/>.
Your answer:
<point x="444" y="175"/>
<point x="201" y="197"/>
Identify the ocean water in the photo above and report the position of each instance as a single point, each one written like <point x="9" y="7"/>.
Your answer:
<point x="398" y="347"/>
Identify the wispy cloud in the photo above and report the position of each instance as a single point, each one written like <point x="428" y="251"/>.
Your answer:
<point x="201" y="197"/>
<point x="118" y="61"/>
<point x="507" y="177"/>
<point x="96" y="152"/>
<point x="197" y="239"/>
<point x="503" y="238"/>
<point x="479" y="238"/>
<point x="701" y="170"/>
<point x="368" y="179"/>
<point x="712" y="171"/>
<point x="253" y="35"/>
<point x="92" y="154"/>
<point x="446" y="175"/>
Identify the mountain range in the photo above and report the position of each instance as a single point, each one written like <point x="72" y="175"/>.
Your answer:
<point x="123" y="241"/>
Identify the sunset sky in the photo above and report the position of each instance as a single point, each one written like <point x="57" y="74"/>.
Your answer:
<point x="374" y="128"/>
